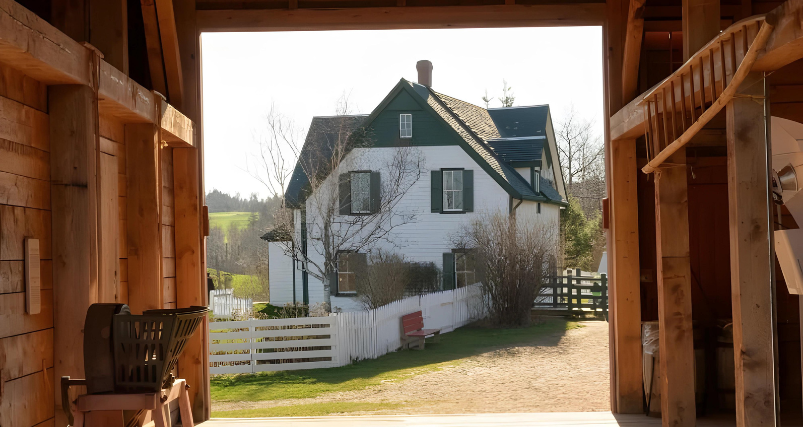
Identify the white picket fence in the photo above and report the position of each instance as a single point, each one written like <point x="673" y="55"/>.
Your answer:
<point x="223" y="303"/>
<point x="252" y="346"/>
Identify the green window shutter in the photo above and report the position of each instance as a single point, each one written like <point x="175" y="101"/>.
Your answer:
<point x="332" y="282"/>
<point x="448" y="271"/>
<point x="376" y="194"/>
<point x="345" y="193"/>
<point x="437" y="191"/>
<point x="468" y="191"/>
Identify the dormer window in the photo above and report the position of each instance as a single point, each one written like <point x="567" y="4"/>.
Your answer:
<point x="406" y="125"/>
<point x="536" y="181"/>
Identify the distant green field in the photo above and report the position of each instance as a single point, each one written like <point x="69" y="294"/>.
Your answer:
<point x="225" y="219"/>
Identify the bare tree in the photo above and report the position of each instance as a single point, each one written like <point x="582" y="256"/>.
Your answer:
<point x="278" y="148"/>
<point x="507" y="97"/>
<point x="486" y="99"/>
<point x="581" y="160"/>
<point x="383" y="279"/>
<point x="512" y="260"/>
<point x="327" y="231"/>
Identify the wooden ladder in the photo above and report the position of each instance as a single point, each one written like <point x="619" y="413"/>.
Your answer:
<point x="683" y="103"/>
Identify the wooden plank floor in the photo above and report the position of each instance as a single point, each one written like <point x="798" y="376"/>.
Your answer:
<point x="584" y="419"/>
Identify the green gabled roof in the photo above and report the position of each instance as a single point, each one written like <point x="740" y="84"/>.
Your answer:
<point x="472" y="125"/>
<point x="471" y="121"/>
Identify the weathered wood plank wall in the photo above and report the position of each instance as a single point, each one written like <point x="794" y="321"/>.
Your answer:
<point x="26" y="341"/>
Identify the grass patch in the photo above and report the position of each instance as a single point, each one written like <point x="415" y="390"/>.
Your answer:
<point x="397" y="366"/>
<point x="307" y="410"/>
<point x="244" y="285"/>
<point x="224" y="220"/>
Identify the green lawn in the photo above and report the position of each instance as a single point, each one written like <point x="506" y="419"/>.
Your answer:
<point x="244" y="285"/>
<point x="224" y="220"/>
<point x="398" y="366"/>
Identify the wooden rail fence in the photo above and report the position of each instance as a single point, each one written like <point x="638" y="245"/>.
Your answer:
<point x="575" y="295"/>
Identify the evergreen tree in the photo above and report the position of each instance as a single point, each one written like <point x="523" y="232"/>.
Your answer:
<point x="578" y="235"/>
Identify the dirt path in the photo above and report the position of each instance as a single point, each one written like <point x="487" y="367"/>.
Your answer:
<point x="570" y="376"/>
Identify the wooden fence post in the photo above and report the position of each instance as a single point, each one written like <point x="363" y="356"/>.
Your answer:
<point x="604" y="294"/>
<point x="570" y="290"/>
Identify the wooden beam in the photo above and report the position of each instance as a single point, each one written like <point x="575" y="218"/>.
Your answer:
<point x="172" y="57"/>
<point x="187" y="217"/>
<point x="190" y="280"/>
<point x="676" y="25"/>
<point x="128" y="101"/>
<point x="144" y="232"/>
<point x="674" y="293"/>
<point x="177" y="130"/>
<point x="613" y="47"/>
<point x="626" y="277"/>
<point x="634" y="34"/>
<point x="785" y="44"/>
<point x="410" y="17"/>
<point x="154" y="46"/>
<point x="38" y="49"/>
<point x="73" y="123"/>
<point x="752" y="257"/>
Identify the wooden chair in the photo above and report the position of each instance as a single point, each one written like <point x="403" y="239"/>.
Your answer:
<point x="106" y="410"/>
<point x="414" y="332"/>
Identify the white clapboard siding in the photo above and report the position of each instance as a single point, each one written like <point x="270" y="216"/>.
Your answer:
<point x="337" y="340"/>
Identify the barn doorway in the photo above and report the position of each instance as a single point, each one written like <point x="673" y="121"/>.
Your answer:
<point x="257" y="112"/>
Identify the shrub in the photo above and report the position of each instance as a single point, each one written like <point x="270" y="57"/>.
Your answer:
<point x="422" y="278"/>
<point x="382" y="280"/>
<point x="512" y="260"/>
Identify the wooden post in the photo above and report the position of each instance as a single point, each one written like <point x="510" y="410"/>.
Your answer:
<point x="144" y="232"/>
<point x="752" y="256"/>
<point x="626" y="279"/>
<point x="613" y="48"/>
<point x="190" y="280"/>
<point x="73" y="123"/>
<point x="701" y="23"/>
<point x="189" y="42"/>
<point x="676" y="341"/>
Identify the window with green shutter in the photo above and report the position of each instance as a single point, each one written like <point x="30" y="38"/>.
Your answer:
<point x="452" y="191"/>
<point x="360" y="193"/>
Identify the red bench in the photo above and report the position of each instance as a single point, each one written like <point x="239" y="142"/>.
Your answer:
<point x="414" y="332"/>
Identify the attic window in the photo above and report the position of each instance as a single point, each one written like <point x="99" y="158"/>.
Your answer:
<point x="406" y="125"/>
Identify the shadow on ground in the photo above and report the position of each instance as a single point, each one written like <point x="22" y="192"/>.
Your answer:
<point x="462" y="343"/>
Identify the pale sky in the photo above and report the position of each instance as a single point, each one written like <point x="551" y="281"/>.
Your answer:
<point x="302" y="74"/>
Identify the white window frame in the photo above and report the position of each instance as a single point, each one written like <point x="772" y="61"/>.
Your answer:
<point x="405" y="125"/>
<point x="460" y="192"/>
<point x="365" y="192"/>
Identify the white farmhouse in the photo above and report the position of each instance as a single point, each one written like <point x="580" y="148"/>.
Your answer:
<point x="474" y="160"/>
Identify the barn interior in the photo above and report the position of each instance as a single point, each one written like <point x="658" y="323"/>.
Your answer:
<point x="101" y="178"/>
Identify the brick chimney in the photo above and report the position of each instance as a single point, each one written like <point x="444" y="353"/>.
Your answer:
<point x="424" y="68"/>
